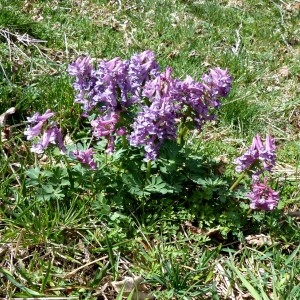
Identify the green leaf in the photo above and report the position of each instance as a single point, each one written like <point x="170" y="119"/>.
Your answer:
<point x="157" y="185"/>
<point x="33" y="173"/>
<point x="291" y="257"/>
<point x="48" y="189"/>
<point x="17" y="284"/>
<point x="246" y="283"/>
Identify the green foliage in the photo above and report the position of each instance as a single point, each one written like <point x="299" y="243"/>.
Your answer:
<point x="57" y="216"/>
<point x="282" y="268"/>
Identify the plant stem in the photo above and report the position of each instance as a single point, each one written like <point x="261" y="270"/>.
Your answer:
<point x="182" y="130"/>
<point x="237" y="181"/>
<point x="124" y="142"/>
<point x="148" y="170"/>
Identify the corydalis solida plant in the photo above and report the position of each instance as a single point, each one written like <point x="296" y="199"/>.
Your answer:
<point x="151" y="103"/>
<point x="44" y="131"/>
<point x="257" y="160"/>
<point x="134" y="99"/>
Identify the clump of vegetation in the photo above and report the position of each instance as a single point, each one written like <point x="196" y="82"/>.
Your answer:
<point x="122" y="177"/>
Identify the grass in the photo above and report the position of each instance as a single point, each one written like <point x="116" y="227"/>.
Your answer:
<point x="61" y="236"/>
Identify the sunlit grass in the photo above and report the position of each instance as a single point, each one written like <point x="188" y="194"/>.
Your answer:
<point x="75" y="244"/>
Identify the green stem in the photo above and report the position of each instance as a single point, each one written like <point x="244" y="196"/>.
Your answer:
<point x="237" y="181"/>
<point x="148" y="170"/>
<point x="182" y="130"/>
<point x="124" y="142"/>
<point x="69" y="170"/>
<point x="249" y="212"/>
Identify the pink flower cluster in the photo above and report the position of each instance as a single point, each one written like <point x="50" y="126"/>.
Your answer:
<point x="154" y="100"/>
<point x="85" y="157"/>
<point x="263" y="197"/>
<point x="135" y="99"/>
<point x="47" y="133"/>
<point x="259" y="158"/>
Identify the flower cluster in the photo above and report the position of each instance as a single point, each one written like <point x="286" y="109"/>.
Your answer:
<point x="259" y="158"/>
<point x="115" y="84"/>
<point x="135" y="99"/>
<point x="203" y="97"/>
<point x="263" y="197"/>
<point x="51" y="134"/>
<point x="156" y="122"/>
<point x="172" y="100"/>
<point x="111" y="89"/>
<point x="85" y="157"/>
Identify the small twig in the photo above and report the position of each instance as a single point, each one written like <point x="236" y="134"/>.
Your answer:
<point x="84" y="266"/>
<point x="18" y="243"/>
<point x="7" y="34"/>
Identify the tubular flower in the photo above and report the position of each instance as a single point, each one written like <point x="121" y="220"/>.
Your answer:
<point x="218" y="83"/>
<point x="115" y="84"/>
<point x="267" y="153"/>
<point x="51" y="134"/>
<point x="203" y="97"/>
<point x="84" y="84"/>
<point x="263" y="197"/>
<point x="34" y="131"/>
<point x="37" y="117"/>
<point x="85" y="157"/>
<point x="155" y="123"/>
<point x="256" y="154"/>
<point x="105" y="125"/>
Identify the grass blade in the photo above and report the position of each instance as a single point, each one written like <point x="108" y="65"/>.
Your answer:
<point x="246" y="283"/>
<point x="18" y="284"/>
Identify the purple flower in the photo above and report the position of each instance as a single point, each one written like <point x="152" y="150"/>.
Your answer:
<point x="121" y="131"/>
<point x="104" y="125"/>
<point x="203" y="98"/>
<point x="249" y="157"/>
<point x="115" y="84"/>
<point x="85" y="157"/>
<point x="41" y="118"/>
<point x="84" y="84"/>
<point x="117" y="88"/>
<point x="34" y="131"/>
<point x="218" y="83"/>
<point x="142" y="67"/>
<point x="267" y="153"/>
<point x="256" y="154"/>
<point x="82" y="67"/>
<point x="191" y="94"/>
<point x="157" y="122"/>
<point x="110" y="77"/>
<point x="263" y="197"/>
<point x="50" y="136"/>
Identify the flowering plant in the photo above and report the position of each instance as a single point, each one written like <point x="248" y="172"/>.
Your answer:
<point x="257" y="160"/>
<point x="51" y="134"/>
<point x="133" y="100"/>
